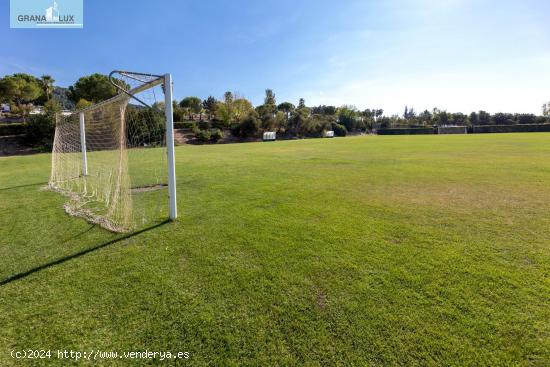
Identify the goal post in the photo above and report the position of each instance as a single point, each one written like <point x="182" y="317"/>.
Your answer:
<point x="115" y="160"/>
<point x="83" y="144"/>
<point x="169" y="113"/>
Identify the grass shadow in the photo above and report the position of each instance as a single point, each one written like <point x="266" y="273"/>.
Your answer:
<point x="80" y="253"/>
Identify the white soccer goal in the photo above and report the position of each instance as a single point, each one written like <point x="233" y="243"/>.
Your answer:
<point x="270" y="136"/>
<point x="115" y="160"/>
<point x="448" y="129"/>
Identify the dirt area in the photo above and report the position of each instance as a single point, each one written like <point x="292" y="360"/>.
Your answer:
<point x="183" y="136"/>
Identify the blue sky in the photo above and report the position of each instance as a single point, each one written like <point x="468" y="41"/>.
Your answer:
<point x="459" y="55"/>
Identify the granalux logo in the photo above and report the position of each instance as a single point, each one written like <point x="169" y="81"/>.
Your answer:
<point x="46" y="14"/>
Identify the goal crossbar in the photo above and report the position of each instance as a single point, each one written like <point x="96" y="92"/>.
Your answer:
<point x="121" y="96"/>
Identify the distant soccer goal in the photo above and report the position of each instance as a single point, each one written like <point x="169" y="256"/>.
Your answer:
<point x="115" y="160"/>
<point x="452" y="130"/>
<point x="269" y="136"/>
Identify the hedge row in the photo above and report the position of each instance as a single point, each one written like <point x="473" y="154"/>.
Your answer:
<point x="12" y="129"/>
<point x="478" y="129"/>
<point x="406" y="131"/>
<point x="511" y="128"/>
<point x="184" y="125"/>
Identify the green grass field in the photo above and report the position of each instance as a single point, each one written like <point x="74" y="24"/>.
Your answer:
<point x="396" y="250"/>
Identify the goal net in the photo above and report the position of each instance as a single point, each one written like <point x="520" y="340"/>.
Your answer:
<point x="452" y="130"/>
<point x="111" y="159"/>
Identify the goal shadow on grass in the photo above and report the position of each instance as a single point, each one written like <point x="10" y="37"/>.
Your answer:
<point x="80" y="253"/>
<point x="20" y="186"/>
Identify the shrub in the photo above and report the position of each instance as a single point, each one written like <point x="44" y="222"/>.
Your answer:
<point x="503" y="118"/>
<point x="248" y="126"/>
<point x="339" y="130"/>
<point x="39" y="131"/>
<point x="82" y="103"/>
<point x="406" y="131"/>
<point x="185" y="125"/>
<point x="511" y="128"/>
<point x="218" y="124"/>
<point x="179" y="114"/>
<point x="216" y="134"/>
<point x="361" y="125"/>
<point x="314" y="126"/>
<point x="542" y="120"/>
<point x="144" y="127"/>
<point x="348" y="116"/>
<point x="526" y="118"/>
<point x="203" y="125"/>
<point x="235" y="129"/>
<point x="202" y="135"/>
<point x="12" y="129"/>
<point x="52" y="107"/>
<point x="384" y="122"/>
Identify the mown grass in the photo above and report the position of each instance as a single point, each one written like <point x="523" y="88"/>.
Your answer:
<point x="411" y="250"/>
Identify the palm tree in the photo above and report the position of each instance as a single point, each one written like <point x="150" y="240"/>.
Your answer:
<point x="47" y="85"/>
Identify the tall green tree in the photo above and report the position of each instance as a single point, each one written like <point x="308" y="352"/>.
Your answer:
<point x="225" y="109"/>
<point x="425" y="118"/>
<point x="248" y="126"/>
<point x="368" y="113"/>
<point x="286" y="108"/>
<point x="228" y="97"/>
<point x="47" y="85"/>
<point x="525" y="118"/>
<point x="268" y="111"/>
<point x="315" y="125"/>
<point x="474" y="118"/>
<point x="240" y="108"/>
<point x="19" y="89"/>
<point x="409" y="113"/>
<point x="192" y="105"/>
<point x="441" y="118"/>
<point x="93" y="88"/>
<point x="501" y="118"/>
<point x="458" y="118"/>
<point x="323" y="110"/>
<point x="210" y="105"/>
<point x="269" y="98"/>
<point x="484" y="118"/>
<point x="349" y="117"/>
<point x="299" y="117"/>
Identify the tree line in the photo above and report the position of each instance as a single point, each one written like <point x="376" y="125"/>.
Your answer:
<point x="237" y="114"/>
<point x="285" y="118"/>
